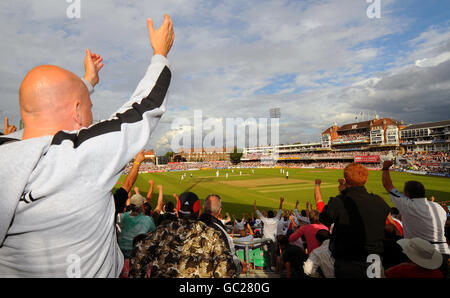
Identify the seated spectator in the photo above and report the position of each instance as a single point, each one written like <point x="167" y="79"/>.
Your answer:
<point x="291" y="259"/>
<point x="309" y="232"/>
<point x="126" y="264"/>
<point x="320" y="262"/>
<point x="186" y="248"/>
<point x="421" y="218"/>
<point x="169" y="213"/>
<point x="225" y="220"/>
<point x="212" y="208"/>
<point x="424" y="260"/>
<point x="241" y="227"/>
<point x="392" y="254"/>
<point x="133" y="224"/>
<point x="359" y="221"/>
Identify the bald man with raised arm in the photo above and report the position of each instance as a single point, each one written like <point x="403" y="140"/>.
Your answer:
<point x="56" y="182"/>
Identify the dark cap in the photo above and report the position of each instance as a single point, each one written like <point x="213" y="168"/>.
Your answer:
<point x="188" y="203"/>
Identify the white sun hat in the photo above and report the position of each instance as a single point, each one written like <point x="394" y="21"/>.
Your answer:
<point x="421" y="252"/>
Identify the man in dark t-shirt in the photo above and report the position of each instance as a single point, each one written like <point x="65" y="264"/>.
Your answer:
<point x="359" y="219"/>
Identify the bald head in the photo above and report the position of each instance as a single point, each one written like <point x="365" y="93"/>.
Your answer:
<point x="53" y="99"/>
<point x="212" y="205"/>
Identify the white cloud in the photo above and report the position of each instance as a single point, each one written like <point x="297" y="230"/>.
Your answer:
<point x="225" y="51"/>
<point x="430" y="62"/>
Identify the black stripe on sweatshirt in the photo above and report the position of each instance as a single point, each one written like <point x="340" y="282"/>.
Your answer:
<point x="153" y="101"/>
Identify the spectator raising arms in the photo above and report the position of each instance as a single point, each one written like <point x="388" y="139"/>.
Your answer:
<point x="309" y="231"/>
<point x="270" y="222"/>
<point x="65" y="166"/>
<point x="421" y="218"/>
<point x="121" y="194"/>
<point x="359" y="219"/>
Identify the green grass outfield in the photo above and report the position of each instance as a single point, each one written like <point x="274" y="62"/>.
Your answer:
<point x="267" y="185"/>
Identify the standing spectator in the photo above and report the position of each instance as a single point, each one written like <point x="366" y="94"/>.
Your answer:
<point x="65" y="162"/>
<point x="133" y="224"/>
<point x="291" y="260"/>
<point x="309" y="232"/>
<point x="270" y="224"/>
<point x="421" y="218"/>
<point x="424" y="260"/>
<point x="359" y="219"/>
<point x="121" y="194"/>
<point x="320" y="262"/>
<point x="186" y="248"/>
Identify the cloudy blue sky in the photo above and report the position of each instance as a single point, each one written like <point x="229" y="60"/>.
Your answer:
<point x="319" y="61"/>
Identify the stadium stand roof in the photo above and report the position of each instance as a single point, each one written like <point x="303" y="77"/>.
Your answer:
<point x="357" y="125"/>
<point x="428" y="125"/>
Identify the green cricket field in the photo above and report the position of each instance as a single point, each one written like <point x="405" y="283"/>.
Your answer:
<point x="266" y="186"/>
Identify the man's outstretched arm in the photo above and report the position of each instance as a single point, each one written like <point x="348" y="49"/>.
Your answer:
<point x="318" y="196"/>
<point x="129" y="129"/>
<point x="150" y="191"/>
<point x="133" y="174"/>
<point x="386" y="176"/>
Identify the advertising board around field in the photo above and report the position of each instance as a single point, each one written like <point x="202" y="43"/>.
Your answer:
<point x="368" y="159"/>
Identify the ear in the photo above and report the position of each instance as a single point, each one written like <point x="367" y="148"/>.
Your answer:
<point x="76" y="114"/>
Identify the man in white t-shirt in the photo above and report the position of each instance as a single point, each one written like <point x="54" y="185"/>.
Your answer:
<point x="270" y="224"/>
<point x="420" y="217"/>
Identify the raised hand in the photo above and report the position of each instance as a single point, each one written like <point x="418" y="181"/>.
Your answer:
<point x="161" y="39"/>
<point x="318" y="181"/>
<point x="140" y="157"/>
<point x="93" y="63"/>
<point x="387" y="164"/>
<point x="8" y="128"/>
<point x="341" y="186"/>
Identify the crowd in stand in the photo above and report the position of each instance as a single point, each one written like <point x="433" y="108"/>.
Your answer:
<point x="431" y="162"/>
<point x="355" y="235"/>
<point x="352" y="136"/>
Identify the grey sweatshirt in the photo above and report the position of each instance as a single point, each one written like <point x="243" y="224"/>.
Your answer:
<point x="56" y="204"/>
